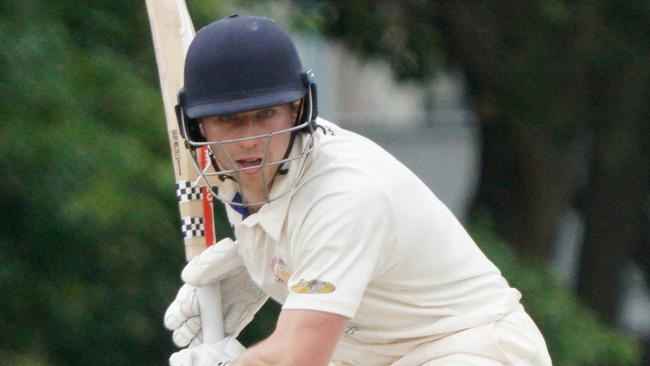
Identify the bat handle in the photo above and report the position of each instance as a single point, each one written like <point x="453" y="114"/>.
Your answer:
<point x="211" y="313"/>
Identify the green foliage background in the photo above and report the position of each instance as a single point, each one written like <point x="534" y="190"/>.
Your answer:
<point x="574" y="335"/>
<point x="90" y="248"/>
<point x="90" y="253"/>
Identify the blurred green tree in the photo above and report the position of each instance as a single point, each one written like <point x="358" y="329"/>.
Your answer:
<point x="574" y="334"/>
<point x="90" y="249"/>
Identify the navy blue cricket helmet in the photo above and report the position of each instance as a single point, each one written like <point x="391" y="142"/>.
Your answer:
<point x="238" y="64"/>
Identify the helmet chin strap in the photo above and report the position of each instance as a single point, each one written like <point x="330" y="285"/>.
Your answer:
<point x="282" y="170"/>
<point x="222" y="177"/>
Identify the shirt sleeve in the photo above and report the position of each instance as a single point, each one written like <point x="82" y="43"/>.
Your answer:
<point x="337" y="250"/>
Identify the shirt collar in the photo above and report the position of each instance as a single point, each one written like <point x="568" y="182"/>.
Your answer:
<point x="271" y="217"/>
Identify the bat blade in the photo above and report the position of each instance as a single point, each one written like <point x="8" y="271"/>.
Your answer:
<point x="172" y="32"/>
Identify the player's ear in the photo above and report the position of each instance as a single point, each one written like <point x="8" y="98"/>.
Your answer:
<point x="200" y="123"/>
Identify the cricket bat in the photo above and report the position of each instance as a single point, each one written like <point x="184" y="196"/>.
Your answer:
<point x="172" y="31"/>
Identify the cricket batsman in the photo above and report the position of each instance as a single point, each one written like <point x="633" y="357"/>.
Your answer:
<point x="369" y="266"/>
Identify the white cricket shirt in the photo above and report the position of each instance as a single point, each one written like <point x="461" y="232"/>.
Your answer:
<point x="361" y="236"/>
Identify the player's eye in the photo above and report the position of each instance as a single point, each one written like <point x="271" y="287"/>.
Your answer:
<point x="265" y="113"/>
<point x="227" y="118"/>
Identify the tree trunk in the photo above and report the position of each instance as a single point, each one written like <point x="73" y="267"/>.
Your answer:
<point x="528" y="173"/>
<point x="618" y="192"/>
<point x="527" y="182"/>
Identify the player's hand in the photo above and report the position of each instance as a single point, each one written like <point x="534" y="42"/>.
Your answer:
<point x="219" y="354"/>
<point x="214" y="264"/>
<point x="183" y="317"/>
<point x="241" y="298"/>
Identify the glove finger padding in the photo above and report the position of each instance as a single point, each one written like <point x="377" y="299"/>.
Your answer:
<point x="197" y="341"/>
<point x="220" y="353"/>
<point x="212" y="264"/>
<point x="184" y="306"/>
<point x="187" y="333"/>
<point x="241" y="298"/>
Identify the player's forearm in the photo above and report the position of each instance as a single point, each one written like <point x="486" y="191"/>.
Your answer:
<point x="301" y="337"/>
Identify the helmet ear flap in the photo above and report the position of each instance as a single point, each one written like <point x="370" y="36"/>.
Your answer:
<point x="189" y="127"/>
<point x="311" y="98"/>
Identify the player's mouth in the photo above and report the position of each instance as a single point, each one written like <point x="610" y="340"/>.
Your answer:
<point x="249" y="165"/>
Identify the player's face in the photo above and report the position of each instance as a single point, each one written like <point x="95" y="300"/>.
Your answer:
<point x="250" y="153"/>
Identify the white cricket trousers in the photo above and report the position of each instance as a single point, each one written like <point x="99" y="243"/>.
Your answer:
<point x="514" y="340"/>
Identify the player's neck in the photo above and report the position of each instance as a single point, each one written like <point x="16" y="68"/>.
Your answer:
<point x="254" y="196"/>
<point x="254" y="208"/>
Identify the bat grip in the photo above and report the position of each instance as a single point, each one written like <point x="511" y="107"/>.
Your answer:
<point x="211" y="312"/>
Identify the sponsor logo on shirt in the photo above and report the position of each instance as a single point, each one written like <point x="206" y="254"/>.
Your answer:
<point x="313" y="287"/>
<point x="280" y="270"/>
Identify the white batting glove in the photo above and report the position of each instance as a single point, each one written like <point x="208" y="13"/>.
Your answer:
<point x="213" y="264"/>
<point x="183" y="318"/>
<point x="241" y="298"/>
<point x="219" y="354"/>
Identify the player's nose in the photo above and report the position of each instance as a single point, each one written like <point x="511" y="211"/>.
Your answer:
<point x="250" y="129"/>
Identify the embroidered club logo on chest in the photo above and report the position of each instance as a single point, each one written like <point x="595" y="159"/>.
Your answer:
<point x="280" y="270"/>
<point x="313" y="287"/>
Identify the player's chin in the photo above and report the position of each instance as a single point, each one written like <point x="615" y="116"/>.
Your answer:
<point x="257" y="178"/>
